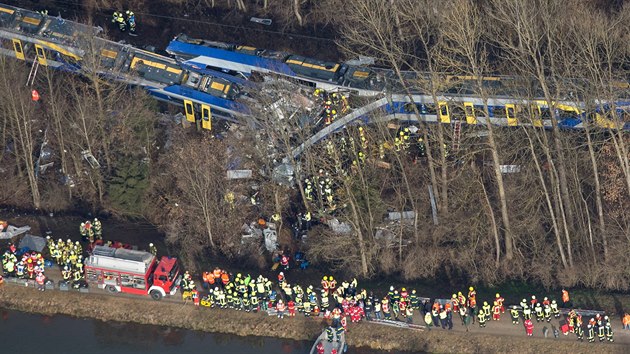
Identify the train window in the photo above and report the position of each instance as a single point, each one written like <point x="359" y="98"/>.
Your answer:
<point x="444" y="109"/>
<point x="498" y="112"/>
<point x="545" y="113"/>
<point x="510" y="112"/>
<point x="429" y="108"/>
<point x="457" y="112"/>
<point x="409" y="107"/>
<point x="469" y="110"/>
<point x="562" y="114"/>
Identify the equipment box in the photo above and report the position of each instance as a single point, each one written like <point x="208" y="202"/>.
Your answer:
<point x="64" y="286"/>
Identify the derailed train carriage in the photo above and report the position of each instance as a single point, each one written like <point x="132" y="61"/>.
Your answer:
<point x="66" y="45"/>
<point x="458" y="104"/>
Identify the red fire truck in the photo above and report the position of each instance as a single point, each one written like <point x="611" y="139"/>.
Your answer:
<point x="134" y="272"/>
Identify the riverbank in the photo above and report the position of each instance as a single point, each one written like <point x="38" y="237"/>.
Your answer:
<point x="180" y="315"/>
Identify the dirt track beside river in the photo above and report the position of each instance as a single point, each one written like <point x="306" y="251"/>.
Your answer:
<point x="174" y="314"/>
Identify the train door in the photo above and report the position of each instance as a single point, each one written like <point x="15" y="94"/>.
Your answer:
<point x="510" y="113"/>
<point x="535" y="115"/>
<point x="41" y="55"/>
<point x="206" y="117"/>
<point x="189" y="110"/>
<point x="443" y="112"/>
<point x="19" y="50"/>
<point x="469" y="109"/>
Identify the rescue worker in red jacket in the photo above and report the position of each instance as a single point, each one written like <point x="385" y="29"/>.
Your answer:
<point x="325" y="284"/>
<point x="496" y="311"/>
<point x="332" y="284"/>
<point x="291" y="307"/>
<point x="454" y="303"/>
<point x="284" y="262"/>
<point x="529" y="328"/>
<point x="499" y="299"/>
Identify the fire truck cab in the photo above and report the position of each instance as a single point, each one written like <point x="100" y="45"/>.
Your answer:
<point x="131" y="271"/>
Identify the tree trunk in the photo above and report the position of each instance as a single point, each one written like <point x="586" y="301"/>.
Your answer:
<point x="296" y="11"/>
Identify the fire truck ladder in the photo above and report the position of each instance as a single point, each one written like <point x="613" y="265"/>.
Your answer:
<point x="31" y="75"/>
<point x="457" y="133"/>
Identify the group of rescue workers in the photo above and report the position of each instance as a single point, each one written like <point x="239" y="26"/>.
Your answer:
<point x="345" y="301"/>
<point x="333" y="104"/>
<point x="332" y="300"/>
<point x="90" y="230"/>
<point x="31" y="265"/>
<point x="129" y="19"/>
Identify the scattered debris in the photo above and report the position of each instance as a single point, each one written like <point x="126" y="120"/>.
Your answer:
<point x="262" y="21"/>
<point x="87" y="155"/>
<point x="239" y="174"/>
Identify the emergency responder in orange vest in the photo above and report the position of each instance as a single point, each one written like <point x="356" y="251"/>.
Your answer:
<point x="472" y="293"/>
<point x="208" y="279"/>
<point x="225" y="278"/>
<point x="565" y="298"/>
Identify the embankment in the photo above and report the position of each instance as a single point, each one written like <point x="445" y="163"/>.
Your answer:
<point x="141" y="310"/>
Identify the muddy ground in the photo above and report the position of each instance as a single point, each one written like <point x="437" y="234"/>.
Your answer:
<point x="180" y="315"/>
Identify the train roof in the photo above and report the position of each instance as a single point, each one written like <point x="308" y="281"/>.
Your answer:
<point x="53" y="31"/>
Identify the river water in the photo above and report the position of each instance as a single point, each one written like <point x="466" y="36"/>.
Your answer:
<point x="30" y="333"/>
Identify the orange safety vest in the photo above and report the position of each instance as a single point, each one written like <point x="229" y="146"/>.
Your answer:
<point x="217" y="273"/>
<point x="565" y="296"/>
<point x="225" y="278"/>
<point x="208" y="277"/>
<point x="280" y="307"/>
<point x="325" y="284"/>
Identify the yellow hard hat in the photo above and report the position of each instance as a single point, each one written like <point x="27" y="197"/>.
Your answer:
<point x="325" y="277"/>
<point x="497" y="295"/>
<point x="471" y="288"/>
<point x="454" y="296"/>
